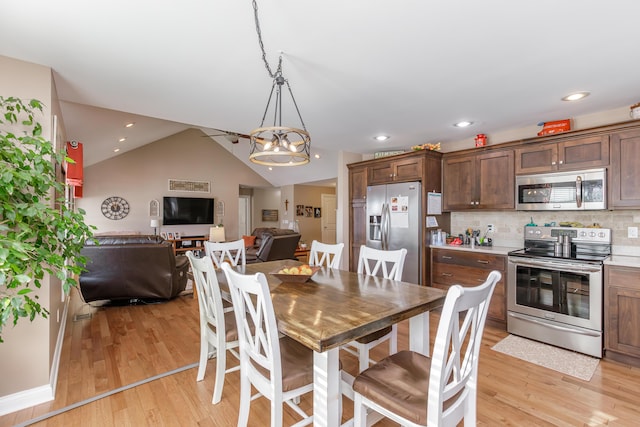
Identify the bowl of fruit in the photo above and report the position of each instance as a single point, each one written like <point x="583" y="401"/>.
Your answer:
<point x="295" y="273"/>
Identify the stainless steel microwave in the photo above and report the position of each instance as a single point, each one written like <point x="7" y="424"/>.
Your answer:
<point x="575" y="190"/>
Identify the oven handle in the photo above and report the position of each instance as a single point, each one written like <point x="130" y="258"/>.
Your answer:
<point x="554" y="326"/>
<point x="564" y="266"/>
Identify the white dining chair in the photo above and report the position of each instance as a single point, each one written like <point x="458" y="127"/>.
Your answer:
<point x="325" y="254"/>
<point x="416" y="390"/>
<point x="232" y="252"/>
<point x="280" y="368"/>
<point x="388" y="264"/>
<point x="218" y="332"/>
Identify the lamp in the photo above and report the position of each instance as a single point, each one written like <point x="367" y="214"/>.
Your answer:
<point x="154" y="224"/>
<point x="278" y="145"/>
<point x="216" y="234"/>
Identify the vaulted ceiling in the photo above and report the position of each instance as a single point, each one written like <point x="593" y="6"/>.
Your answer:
<point x="408" y="69"/>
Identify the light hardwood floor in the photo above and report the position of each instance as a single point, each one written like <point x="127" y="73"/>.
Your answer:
<point x="118" y="346"/>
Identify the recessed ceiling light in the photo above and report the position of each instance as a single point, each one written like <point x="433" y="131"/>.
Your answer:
<point x="130" y="124"/>
<point x="575" y="96"/>
<point x="463" y="124"/>
<point x="123" y="139"/>
<point x="115" y="150"/>
<point x="317" y="156"/>
<point x="381" y="137"/>
<point x="270" y="168"/>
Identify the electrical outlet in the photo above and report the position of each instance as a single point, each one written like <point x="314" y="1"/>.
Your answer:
<point x="490" y="228"/>
<point x="632" y="232"/>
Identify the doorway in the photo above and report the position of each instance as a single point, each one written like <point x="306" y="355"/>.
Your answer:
<point x="244" y="216"/>
<point x="328" y="219"/>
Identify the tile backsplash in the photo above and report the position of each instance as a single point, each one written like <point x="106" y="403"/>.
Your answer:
<point x="509" y="225"/>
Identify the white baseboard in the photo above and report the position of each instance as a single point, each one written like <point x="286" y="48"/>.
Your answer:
<point x="45" y="393"/>
<point x="25" y="399"/>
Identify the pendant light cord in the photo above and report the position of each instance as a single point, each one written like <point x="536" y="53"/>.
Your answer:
<point x="264" y="54"/>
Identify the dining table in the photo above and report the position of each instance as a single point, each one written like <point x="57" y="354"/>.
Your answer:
<point x="335" y="307"/>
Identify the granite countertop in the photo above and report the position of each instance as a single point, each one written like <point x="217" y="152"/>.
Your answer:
<point x="496" y="250"/>
<point x="623" y="261"/>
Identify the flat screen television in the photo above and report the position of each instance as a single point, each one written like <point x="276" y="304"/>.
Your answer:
<point x="187" y="210"/>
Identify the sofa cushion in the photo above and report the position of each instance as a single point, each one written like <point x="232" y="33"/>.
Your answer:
<point x="249" y="241"/>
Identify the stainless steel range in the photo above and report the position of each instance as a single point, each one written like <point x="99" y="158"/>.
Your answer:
<point x="555" y="287"/>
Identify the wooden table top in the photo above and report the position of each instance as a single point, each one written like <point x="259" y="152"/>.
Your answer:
<point x="335" y="307"/>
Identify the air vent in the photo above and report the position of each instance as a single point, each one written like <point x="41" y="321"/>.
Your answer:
<point x="190" y="186"/>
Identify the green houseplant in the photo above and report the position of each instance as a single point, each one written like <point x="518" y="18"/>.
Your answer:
<point x="39" y="233"/>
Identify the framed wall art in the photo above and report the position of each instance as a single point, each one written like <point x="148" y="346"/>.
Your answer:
<point x="269" y="215"/>
<point x="317" y="212"/>
<point x="299" y="210"/>
<point x="308" y="211"/>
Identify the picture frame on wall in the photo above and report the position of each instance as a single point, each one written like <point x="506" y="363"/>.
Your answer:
<point x="269" y="215"/>
<point x="317" y="212"/>
<point x="308" y="210"/>
<point x="299" y="210"/>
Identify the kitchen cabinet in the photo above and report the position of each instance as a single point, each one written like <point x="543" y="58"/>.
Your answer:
<point x="622" y="314"/>
<point x="358" y="213"/>
<point x="400" y="170"/>
<point x="484" y="180"/>
<point x="624" y="174"/>
<point x="576" y="153"/>
<point x="469" y="268"/>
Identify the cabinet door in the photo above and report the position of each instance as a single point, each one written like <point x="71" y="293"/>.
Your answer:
<point x="496" y="180"/>
<point x="584" y="153"/>
<point x="458" y="183"/>
<point x="407" y="170"/>
<point x="358" y="183"/>
<point x="622" y="321"/>
<point x="536" y="158"/>
<point x="380" y="173"/>
<point x="358" y="227"/>
<point x="624" y="185"/>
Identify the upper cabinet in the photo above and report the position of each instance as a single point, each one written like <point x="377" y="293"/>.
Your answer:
<point x="484" y="180"/>
<point x="580" y="153"/>
<point x="624" y="174"/>
<point x="400" y="170"/>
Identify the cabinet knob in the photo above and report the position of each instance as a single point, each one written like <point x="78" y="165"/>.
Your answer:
<point x="553" y="163"/>
<point x="446" y="257"/>
<point x="482" y="261"/>
<point x="561" y="162"/>
<point x="447" y="274"/>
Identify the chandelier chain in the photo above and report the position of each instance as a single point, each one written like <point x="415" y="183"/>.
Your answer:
<point x="264" y="54"/>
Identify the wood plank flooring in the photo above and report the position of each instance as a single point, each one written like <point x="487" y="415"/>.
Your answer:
<point x="118" y="346"/>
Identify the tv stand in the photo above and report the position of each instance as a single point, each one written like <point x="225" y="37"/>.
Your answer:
<point x="188" y="243"/>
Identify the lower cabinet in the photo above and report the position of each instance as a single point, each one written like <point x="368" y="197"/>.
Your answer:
<point x="470" y="268"/>
<point x="622" y="314"/>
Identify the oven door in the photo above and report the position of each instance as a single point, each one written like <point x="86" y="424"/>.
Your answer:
<point x="556" y="291"/>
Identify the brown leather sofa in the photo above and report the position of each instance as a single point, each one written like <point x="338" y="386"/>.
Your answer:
<point x="132" y="268"/>
<point x="272" y="244"/>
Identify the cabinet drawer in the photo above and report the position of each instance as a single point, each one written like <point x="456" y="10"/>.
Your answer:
<point x="448" y="274"/>
<point x="470" y="259"/>
<point x="624" y="277"/>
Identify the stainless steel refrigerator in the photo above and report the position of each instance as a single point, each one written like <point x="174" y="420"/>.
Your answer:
<point x="394" y="222"/>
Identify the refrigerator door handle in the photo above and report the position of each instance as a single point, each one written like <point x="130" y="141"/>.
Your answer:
<point x="385" y="226"/>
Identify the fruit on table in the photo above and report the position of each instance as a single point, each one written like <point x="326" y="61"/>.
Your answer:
<point x="303" y="269"/>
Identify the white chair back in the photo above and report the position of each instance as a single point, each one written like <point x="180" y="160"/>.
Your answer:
<point x="454" y="366"/>
<point x="232" y="252"/>
<point x="325" y="254"/>
<point x="389" y="263"/>
<point x="216" y="323"/>
<point x="261" y="363"/>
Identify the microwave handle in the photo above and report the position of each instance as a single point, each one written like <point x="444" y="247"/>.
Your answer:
<point x="579" y="191"/>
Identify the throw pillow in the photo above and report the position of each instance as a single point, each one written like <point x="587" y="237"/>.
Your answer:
<point x="249" y="241"/>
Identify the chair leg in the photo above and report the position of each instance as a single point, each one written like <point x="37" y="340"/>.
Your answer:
<point x="276" y="412"/>
<point x="204" y="356"/>
<point x="359" y="412"/>
<point x="221" y="366"/>
<point x="393" y="340"/>
<point x="245" y="400"/>
<point x="363" y="357"/>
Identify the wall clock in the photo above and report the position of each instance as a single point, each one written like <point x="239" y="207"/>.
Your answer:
<point x="115" y="207"/>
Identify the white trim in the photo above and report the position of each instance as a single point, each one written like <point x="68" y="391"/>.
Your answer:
<point x="25" y="399"/>
<point x="44" y="393"/>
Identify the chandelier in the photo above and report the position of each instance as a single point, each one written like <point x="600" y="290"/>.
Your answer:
<point x="278" y="145"/>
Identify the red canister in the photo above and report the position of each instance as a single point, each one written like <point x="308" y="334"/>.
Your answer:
<point x="481" y="140"/>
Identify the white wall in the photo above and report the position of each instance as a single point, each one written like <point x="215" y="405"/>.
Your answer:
<point x="142" y="175"/>
<point x="28" y="352"/>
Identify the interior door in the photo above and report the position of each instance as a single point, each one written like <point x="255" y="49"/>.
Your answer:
<point x="244" y="216"/>
<point x="328" y="218"/>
